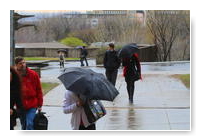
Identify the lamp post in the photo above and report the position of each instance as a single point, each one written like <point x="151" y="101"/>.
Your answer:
<point x="12" y="41"/>
<point x="14" y="25"/>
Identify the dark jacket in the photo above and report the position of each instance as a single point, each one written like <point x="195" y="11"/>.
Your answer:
<point x="15" y="90"/>
<point x="84" y="52"/>
<point x="15" y="97"/>
<point x="111" y="60"/>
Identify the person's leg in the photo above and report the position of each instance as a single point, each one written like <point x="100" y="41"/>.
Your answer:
<point x="128" y="86"/>
<point x="60" y="64"/>
<point x="108" y="75"/>
<point x="30" y="115"/>
<point x="90" y="127"/>
<point x="12" y="121"/>
<point x="22" y="119"/>
<point x="114" y="76"/>
<point x="63" y="64"/>
<point x="131" y="90"/>
<point x="81" y="60"/>
<point x="86" y="61"/>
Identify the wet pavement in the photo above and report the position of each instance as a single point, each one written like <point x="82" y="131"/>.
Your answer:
<point x="51" y="72"/>
<point x="160" y="101"/>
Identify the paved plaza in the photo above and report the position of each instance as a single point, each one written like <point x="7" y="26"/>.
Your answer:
<point x="161" y="102"/>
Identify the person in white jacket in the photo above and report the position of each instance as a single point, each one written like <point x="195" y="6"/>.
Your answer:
<point x="73" y="104"/>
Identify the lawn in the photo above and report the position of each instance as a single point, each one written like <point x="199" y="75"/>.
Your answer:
<point x="46" y="87"/>
<point x="185" y="78"/>
<point x="46" y="58"/>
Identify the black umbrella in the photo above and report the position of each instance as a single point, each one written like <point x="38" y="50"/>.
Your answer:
<point x="79" y="47"/>
<point x="128" y="50"/>
<point x="62" y="50"/>
<point x="88" y="83"/>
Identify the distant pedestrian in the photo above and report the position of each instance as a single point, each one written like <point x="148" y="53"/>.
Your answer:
<point x="16" y="106"/>
<point x="32" y="98"/>
<point x="62" y="59"/>
<point x="132" y="73"/>
<point x="83" y="56"/>
<point x="73" y="104"/>
<point x="111" y="64"/>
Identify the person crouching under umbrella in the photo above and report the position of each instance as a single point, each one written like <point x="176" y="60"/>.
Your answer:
<point x="74" y="104"/>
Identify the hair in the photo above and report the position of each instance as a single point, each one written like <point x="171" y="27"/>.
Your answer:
<point x="15" y="83"/>
<point x="18" y="59"/>
<point x="111" y="45"/>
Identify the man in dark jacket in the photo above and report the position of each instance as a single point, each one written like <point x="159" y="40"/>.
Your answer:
<point x="111" y="64"/>
<point x="83" y="56"/>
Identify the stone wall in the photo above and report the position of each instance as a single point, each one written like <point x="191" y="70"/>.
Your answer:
<point x="147" y="54"/>
<point x="52" y="52"/>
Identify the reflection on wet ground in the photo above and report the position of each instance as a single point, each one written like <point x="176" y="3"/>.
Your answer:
<point x="145" y="119"/>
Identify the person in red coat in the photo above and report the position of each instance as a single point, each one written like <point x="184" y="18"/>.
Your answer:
<point x="32" y="96"/>
<point x="132" y="73"/>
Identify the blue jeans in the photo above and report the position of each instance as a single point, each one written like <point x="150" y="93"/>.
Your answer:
<point x="27" y="119"/>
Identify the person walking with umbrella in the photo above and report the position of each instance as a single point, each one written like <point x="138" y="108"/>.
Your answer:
<point x="61" y="54"/>
<point x="111" y="64"/>
<point x="83" y="56"/>
<point x="132" y="68"/>
<point x="74" y="104"/>
<point x="84" y="85"/>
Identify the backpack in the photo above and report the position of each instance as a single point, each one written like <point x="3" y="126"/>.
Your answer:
<point x="40" y="121"/>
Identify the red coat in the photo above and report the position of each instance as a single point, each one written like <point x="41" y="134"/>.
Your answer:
<point x="126" y="62"/>
<point x="32" y="91"/>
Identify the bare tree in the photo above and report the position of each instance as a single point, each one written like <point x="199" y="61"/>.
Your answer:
<point x="50" y="28"/>
<point x="120" y="29"/>
<point x="164" y="26"/>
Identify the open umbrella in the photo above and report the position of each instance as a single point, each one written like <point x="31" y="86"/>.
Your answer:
<point x="88" y="83"/>
<point x="128" y="50"/>
<point x="79" y="47"/>
<point x="62" y="50"/>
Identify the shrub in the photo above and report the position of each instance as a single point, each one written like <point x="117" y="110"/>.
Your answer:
<point x="100" y="55"/>
<point x="72" y="41"/>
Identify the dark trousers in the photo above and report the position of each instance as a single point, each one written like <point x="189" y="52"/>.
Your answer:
<point x="82" y="59"/>
<point x="90" y="127"/>
<point x="130" y="86"/>
<point x="12" y="122"/>
<point x="61" y="64"/>
<point x="111" y="75"/>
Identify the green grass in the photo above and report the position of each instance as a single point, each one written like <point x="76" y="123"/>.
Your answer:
<point x="46" y="87"/>
<point x="185" y="78"/>
<point x="46" y="58"/>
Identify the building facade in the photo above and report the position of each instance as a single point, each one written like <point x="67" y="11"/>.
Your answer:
<point x="94" y="17"/>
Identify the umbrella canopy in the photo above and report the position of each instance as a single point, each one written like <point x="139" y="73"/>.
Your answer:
<point x="62" y="50"/>
<point x="128" y="50"/>
<point x="79" y="47"/>
<point x="88" y="83"/>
